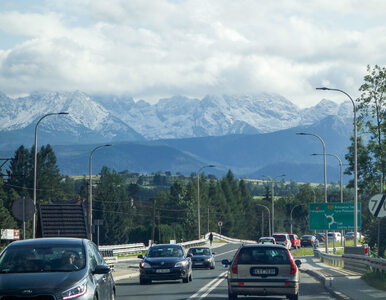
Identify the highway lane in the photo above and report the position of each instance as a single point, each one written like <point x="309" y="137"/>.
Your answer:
<point x="206" y="284"/>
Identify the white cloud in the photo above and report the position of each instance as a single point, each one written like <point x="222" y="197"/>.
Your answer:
<point x="152" y="49"/>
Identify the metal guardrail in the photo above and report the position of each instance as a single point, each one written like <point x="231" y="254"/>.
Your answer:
<point x="363" y="263"/>
<point x="110" y="253"/>
<point x="355" y="262"/>
<point x="332" y="259"/>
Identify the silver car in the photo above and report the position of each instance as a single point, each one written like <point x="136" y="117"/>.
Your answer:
<point x="263" y="270"/>
<point x="54" y="268"/>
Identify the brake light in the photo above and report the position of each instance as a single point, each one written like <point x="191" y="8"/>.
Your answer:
<point x="286" y="241"/>
<point x="293" y="265"/>
<point x="234" y="264"/>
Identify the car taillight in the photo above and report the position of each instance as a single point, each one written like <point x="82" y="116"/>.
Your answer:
<point x="234" y="264"/>
<point x="286" y="242"/>
<point x="311" y="241"/>
<point x="293" y="265"/>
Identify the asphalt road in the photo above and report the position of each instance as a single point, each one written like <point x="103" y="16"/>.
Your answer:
<point x="206" y="284"/>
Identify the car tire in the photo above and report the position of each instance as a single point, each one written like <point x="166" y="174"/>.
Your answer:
<point x="232" y="296"/>
<point x="143" y="281"/>
<point x="293" y="297"/>
<point x="190" y="277"/>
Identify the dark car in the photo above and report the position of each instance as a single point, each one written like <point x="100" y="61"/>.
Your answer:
<point x="202" y="257"/>
<point x="165" y="262"/>
<point x="54" y="268"/>
<point x="321" y="236"/>
<point x="309" y="240"/>
<point x="263" y="270"/>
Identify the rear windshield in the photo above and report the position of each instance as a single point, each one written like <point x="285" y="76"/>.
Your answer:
<point x="263" y="256"/>
<point x="280" y="238"/>
<point x="307" y="237"/>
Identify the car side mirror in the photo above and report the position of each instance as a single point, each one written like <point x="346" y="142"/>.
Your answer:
<point x="213" y="253"/>
<point x="101" y="269"/>
<point x="225" y="262"/>
<point x="140" y="256"/>
<point x="189" y="255"/>
<point x="298" y="262"/>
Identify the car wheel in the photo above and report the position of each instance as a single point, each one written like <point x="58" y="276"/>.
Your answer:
<point x="293" y="297"/>
<point x="232" y="296"/>
<point x="190" y="277"/>
<point x="143" y="281"/>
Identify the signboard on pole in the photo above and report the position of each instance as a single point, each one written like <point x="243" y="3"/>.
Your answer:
<point x="10" y="234"/>
<point x="333" y="216"/>
<point x="377" y="205"/>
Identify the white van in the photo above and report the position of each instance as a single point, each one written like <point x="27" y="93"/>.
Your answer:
<point x="334" y="235"/>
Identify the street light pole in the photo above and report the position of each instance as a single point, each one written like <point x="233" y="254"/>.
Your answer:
<point x="198" y="198"/>
<point x="269" y="218"/>
<point x="90" y="190"/>
<point x="325" y="173"/>
<point x="35" y="169"/>
<point x="273" y="197"/>
<point x="340" y="172"/>
<point x="355" y="163"/>
<point x="291" y="214"/>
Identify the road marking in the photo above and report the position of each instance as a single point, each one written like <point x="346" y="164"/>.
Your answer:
<point x="206" y="289"/>
<point x="226" y="252"/>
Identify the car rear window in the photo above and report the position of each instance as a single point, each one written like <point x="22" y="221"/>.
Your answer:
<point x="306" y="237"/>
<point x="263" y="256"/>
<point x="280" y="238"/>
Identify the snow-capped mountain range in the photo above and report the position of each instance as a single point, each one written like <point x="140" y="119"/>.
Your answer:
<point x="121" y="118"/>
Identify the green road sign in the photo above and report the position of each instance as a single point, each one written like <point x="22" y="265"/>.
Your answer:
<point x="333" y="216"/>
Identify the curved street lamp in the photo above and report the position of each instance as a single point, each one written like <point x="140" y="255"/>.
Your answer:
<point x="325" y="173"/>
<point x="198" y="198"/>
<point x="269" y="218"/>
<point x="90" y="190"/>
<point x="273" y="197"/>
<point x="341" y="186"/>
<point x="35" y="168"/>
<point x="291" y="214"/>
<point x="355" y="162"/>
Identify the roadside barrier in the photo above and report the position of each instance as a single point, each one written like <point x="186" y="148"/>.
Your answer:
<point x="354" y="262"/>
<point x="110" y="253"/>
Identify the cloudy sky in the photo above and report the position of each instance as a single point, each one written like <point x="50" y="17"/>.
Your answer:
<point x="150" y="49"/>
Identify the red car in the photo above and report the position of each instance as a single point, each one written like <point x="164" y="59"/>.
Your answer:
<point x="295" y="241"/>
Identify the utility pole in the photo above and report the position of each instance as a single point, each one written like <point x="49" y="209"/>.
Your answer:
<point x="159" y="227"/>
<point x="208" y="218"/>
<point x="262" y="223"/>
<point x="153" y="229"/>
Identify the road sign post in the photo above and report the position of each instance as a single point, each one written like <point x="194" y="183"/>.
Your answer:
<point x="377" y="207"/>
<point x="220" y="224"/>
<point x="333" y="216"/>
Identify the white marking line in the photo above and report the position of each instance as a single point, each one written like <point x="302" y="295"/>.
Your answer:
<point x="219" y="278"/>
<point x="226" y="252"/>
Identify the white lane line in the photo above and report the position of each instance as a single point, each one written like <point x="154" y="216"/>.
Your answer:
<point x="205" y="287"/>
<point x="213" y="287"/>
<point x="226" y="252"/>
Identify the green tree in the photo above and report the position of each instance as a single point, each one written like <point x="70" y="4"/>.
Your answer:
<point x="112" y="205"/>
<point x="371" y="107"/>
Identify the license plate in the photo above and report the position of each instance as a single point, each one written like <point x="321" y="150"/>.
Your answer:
<point x="265" y="271"/>
<point x="198" y="263"/>
<point x="162" y="271"/>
